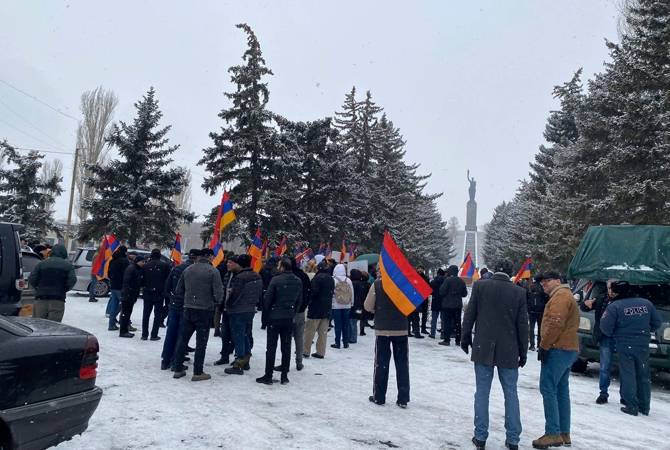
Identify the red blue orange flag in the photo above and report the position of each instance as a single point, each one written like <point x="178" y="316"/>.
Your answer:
<point x="281" y="248"/>
<point x="467" y="269"/>
<point x="524" y="271"/>
<point x="227" y="213"/>
<point x="400" y="281"/>
<point x="256" y="250"/>
<point x="343" y="252"/>
<point x="322" y="249"/>
<point x="176" y="250"/>
<point x="257" y="263"/>
<point x="98" y="266"/>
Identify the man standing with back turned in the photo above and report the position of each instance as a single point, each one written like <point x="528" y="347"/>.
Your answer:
<point x="201" y="287"/>
<point x="497" y="308"/>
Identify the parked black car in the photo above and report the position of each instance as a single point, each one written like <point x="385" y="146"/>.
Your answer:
<point x="11" y="278"/>
<point x="47" y="382"/>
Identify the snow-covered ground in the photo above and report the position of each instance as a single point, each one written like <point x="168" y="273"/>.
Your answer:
<point x="326" y="405"/>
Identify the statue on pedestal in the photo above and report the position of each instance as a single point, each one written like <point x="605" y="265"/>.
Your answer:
<point x="473" y="187"/>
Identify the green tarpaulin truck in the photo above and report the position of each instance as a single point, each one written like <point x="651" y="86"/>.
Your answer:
<point x="639" y="254"/>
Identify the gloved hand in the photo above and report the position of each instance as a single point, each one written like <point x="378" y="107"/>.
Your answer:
<point x="465" y="345"/>
<point x="542" y="354"/>
<point x="522" y="360"/>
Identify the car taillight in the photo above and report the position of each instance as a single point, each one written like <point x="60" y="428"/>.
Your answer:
<point x="21" y="284"/>
<point x="89" y="362"/>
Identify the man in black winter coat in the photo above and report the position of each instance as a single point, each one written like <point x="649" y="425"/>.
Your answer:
<point x="537" y="298"/>
<point x="280" y="302"/>
<point x="155" y="273"/>
<point x="436" y="303"/>
<point x="117" y="267"/>
<point x="246" y="287"/>
<point x="318" y="312"/>
<point x="452" y="291"/>
<point x="497" y="309"/>
<point x="225" y="332"/>
<point x="132" y="283"/>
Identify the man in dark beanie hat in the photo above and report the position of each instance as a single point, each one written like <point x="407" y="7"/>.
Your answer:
<point x="156" y="273"/>
<point x="246" y="289"/>
<point x="132" y="282"/>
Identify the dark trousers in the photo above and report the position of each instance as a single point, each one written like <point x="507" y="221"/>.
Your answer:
<point x="383" y="345"/>
<point x="452" y="324"/>
<point x="282" y="329"/>
<point x="226" y="336"/>
<point x="424" y="316"/>
<point x="240" y="325"/>
<point x="127" y="304"/>
<point x="635" y="377"/>
<point x="534" y="318"/>
<point x="413" y="323"/>
<point x="172" y="333"/>
<point x="153" y="301"/>
<point x="194" y="320"/>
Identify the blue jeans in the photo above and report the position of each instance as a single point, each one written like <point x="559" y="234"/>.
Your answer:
<point x="434" y="315"/>
<point x="113" y="306"/>
<point x="508" y="380"/>
<point x="555" y="390"/>
<point x="239" y="326"/>
<point x="353" y="330"/>
<point x="606" y="353"/>
<point x="172" y="333"/>
<point x="341" y="319"/>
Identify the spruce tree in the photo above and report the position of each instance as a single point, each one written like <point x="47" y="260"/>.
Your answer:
<point x="243" y="153"/>
<point x="134" y="193"/>
<point x="26" y="197"/>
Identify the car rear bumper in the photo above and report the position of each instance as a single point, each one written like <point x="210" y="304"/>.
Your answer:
<point x="41" y="425"/>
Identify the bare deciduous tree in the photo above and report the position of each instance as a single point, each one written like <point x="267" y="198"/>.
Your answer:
<point x="183" y="199"/>
<point x="97" y="108"/>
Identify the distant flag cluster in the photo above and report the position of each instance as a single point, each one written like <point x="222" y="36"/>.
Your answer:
<point x="281" y="248"/>
<point x="100" y="266"/>
<point x="400" y="281"/>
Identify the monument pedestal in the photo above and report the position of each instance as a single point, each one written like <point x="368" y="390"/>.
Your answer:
<point x="471" y="216"/>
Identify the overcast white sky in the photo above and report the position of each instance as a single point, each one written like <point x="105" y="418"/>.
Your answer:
<point x="468" y="83"/>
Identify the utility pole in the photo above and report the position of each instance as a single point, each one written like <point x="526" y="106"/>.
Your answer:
<point x="69" y="209"/>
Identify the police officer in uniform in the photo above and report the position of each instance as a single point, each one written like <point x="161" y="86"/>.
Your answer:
<point x="630" y="320"/>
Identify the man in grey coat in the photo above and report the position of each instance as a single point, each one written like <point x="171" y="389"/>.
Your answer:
<point x="200" y="286"/>
<point x="497" y="308"/>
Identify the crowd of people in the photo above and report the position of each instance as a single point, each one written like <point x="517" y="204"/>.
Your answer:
<point x="300" y="306"/>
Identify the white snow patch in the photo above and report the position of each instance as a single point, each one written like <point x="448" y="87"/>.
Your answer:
<point x="326" y="405"/>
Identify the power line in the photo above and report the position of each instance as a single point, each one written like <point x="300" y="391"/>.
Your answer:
<point x="25" y="149"/>
<point x="35" y="127"/>
<point x="39" y="101"/>
<point x="30" y="135"/>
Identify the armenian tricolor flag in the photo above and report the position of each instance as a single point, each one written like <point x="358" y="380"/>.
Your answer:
<point x="224" y="217"/>
<point x="176" y="250"/>
<point x="256" y="251"/>
<point x="108" y="246"/>
<point x="227" y="213"/>
<point x="467" y="269"/>
<point x="400" y="281"/>
<point x="281" y="248"/>
<point x="322" y="249"/>
<point x="304" y="256"/>
<point x="524" y="271"/>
